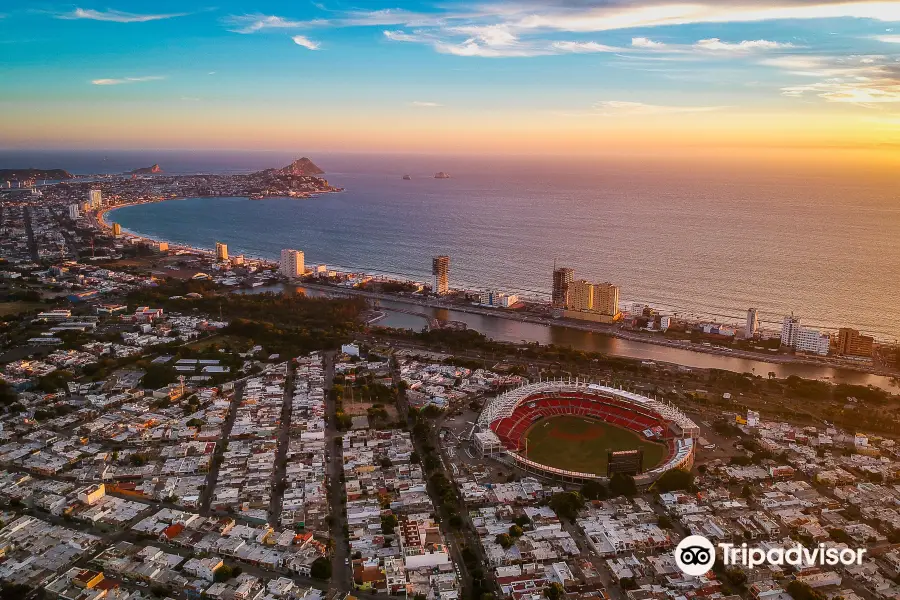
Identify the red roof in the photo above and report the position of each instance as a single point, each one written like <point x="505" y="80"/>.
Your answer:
<point x="172" y="531"/>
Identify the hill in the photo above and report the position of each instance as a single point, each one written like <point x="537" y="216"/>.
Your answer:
<point x="147" y="170"/>
<point x="32" y="173"/>
<point x="301" y="166"/>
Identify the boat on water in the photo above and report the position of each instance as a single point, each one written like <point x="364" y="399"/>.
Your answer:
<point x="442" y="175"/>
<point x="257" y="283"/>
<point x="407" y="178"/>
<point x="256" y="196"/>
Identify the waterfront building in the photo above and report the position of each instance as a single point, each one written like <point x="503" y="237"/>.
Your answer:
<point x="593" y="301"/>
<point x="221" y="251"/>
<point x="117" y="229"/>
<point x="291" y="264"/>
<point x="562" y="278"/>
<point x="440" y="274"/>
<point x="95" y="199"/>
<point x="606" y="298"/>
<point x="498" y="299"/>
<point x="803" y="339"/>
<point x="665" y="322"/>
<point x="238" y="260"/>
<point x="790" y="327"/>
<point x="74" y="212"/>
<point x="751" y="328"/>
<point x="850" y="342"/>
<point x="163" y="246"/>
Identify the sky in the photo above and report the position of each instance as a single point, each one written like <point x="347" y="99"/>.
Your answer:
<point x="752" y="77"/>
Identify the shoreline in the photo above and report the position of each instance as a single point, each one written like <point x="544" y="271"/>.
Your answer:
<point x="598" y="329"/>
<point x="104" y="223"/>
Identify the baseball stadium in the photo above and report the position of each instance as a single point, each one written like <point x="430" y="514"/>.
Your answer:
<point x="575" y="431"/>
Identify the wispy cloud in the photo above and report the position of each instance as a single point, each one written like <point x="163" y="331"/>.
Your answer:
<point x="890" y="39"/>
<point x="259" y="22"/>
<point x="421" y="104"/>
<point x="642" y="42"/>
<point x="865" y="80"/>
<point x="116" y="16"/>
<point x="123" y="80"/>
<point x="613" y="108"/>
<point x="717" y="45"/>
<point x="302" y="40"/>
<point x="584" y="47"/>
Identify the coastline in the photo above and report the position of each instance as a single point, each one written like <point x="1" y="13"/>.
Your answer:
<point x="104" y="222"/>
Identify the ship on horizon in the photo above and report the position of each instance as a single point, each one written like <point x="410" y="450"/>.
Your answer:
<point x="407" y="178"/>
<point x="442" y="175"/>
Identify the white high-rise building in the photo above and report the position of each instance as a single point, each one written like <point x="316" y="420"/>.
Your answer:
<point x="812" y="341"/>
<point x="291" y="264"/>
<point x="752" y="326"/>
<point x="74" y="213"/>
<point x="95" y="199"/>
<point x="803" y="339"/>
<point x="790" y="328"/>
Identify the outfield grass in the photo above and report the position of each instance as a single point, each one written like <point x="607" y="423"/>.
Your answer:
<point x="579" y="444"/>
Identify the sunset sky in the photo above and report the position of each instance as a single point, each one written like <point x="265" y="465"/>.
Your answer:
<point x="566" y="76"/>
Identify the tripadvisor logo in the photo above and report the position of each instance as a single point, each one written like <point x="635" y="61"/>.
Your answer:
<point x="695" y="555"/>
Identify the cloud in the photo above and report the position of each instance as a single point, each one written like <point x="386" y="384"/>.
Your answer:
<point x="402" y="36"/>
<point x="420" y="104"/>
<point x="717" y="45"/>
<point x="584" y="47"/>
<point x="865" y="80"/>
<point x="115" y="16"/>
<point x="471" y="47"/>
<point x="258" y="22"/>
<point x="890" y="39"/>
<point x="642" y="42"/>
<point x="302" y="40"/>
<point x="614" y="108"/>
<point x="491" y="35"/>
<point x="123" y="80"/>
<point x="619" y="15"/>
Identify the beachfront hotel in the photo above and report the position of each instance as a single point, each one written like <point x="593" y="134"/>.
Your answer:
<point x="440" y="274"/>
<point x="221" y="251"/>
<point x="291" y="264"/>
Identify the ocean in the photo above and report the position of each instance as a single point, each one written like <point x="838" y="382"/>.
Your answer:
<point x="699" y="240"/>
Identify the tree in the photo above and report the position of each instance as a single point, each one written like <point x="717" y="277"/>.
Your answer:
<point x="223" y="573"/>
<point x="504" y="540"/>
<point x="388" y="524"/>
<point x="554" y="591"/>
<point x="515" y="531"/>
<point x="736" y="576"/>
<point x="800" y="590"/>
<point x="157" y="376"/>
<point x="594" y="490"/>
<point x="664" y="522"/>
<point x="566" y="504"/>
<point x="621" y="484"/>
<point x="198" y="423"/>
<point x="321" y="569"/>
<point x="674" y="479"/>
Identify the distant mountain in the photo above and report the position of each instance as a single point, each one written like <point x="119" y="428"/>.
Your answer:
<point x="301" y="166"/>
<point x="32" y="173"/>
<point x="147" y="170"/>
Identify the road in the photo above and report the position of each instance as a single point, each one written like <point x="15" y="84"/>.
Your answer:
<point x="213" y="475"/>
<point x="341" y="573"/>
<point x="279" y="473"/>
<point x="29" y="229"/>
